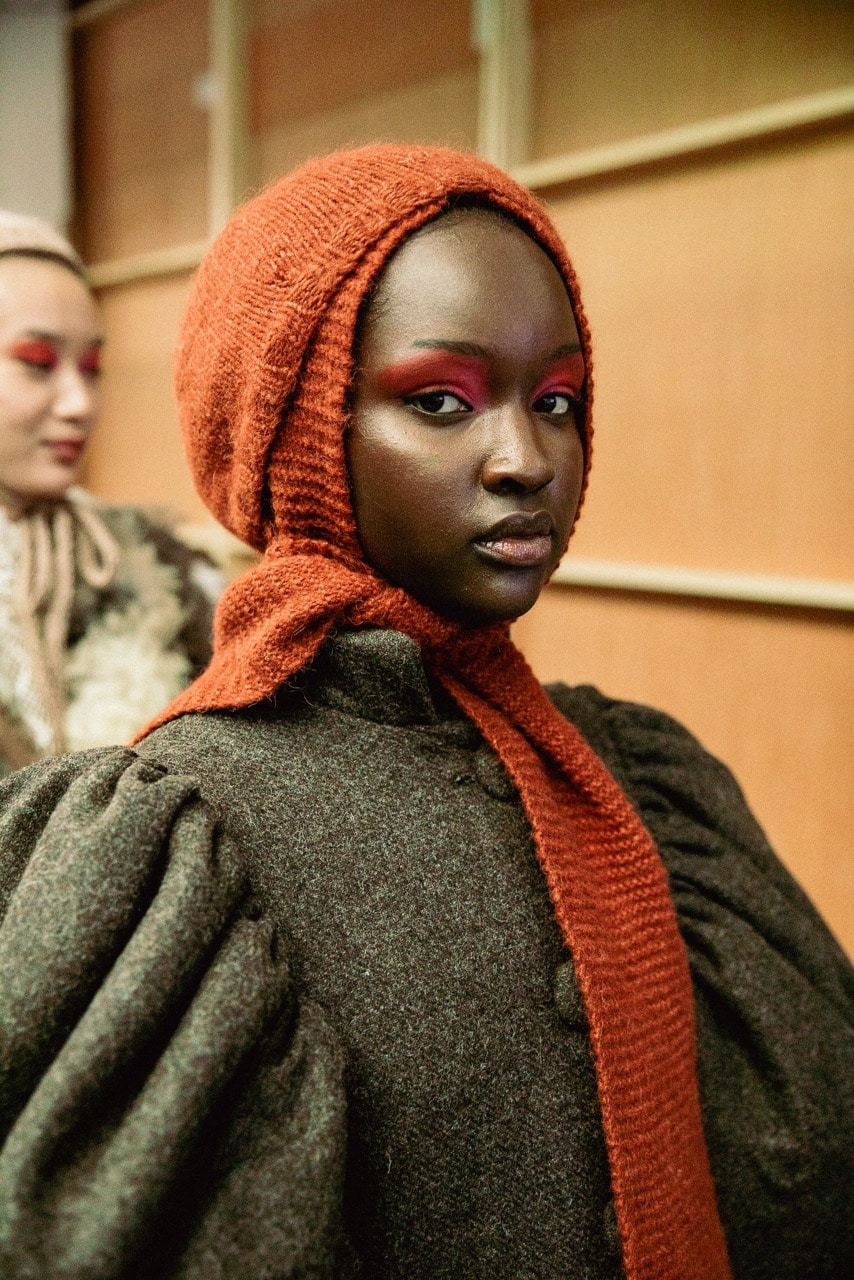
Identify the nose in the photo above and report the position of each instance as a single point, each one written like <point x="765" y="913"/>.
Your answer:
<point x="516" y="460"/>
<point x="76" y="395"/>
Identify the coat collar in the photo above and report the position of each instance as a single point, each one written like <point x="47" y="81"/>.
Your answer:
<point x="379" y="675"/>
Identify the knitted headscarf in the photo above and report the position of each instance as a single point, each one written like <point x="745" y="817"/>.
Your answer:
<point x="62" y="541"/>
<point x="264" y="371"/>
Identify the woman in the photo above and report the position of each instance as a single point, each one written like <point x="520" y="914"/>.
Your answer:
<point x="102" y="614"/>
<point x="374" y="958"/>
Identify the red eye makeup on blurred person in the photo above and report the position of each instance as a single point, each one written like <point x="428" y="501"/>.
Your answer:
<point x="90" y="363"/>
<point x="36" y="352"/>
<point x="44" y="355"/>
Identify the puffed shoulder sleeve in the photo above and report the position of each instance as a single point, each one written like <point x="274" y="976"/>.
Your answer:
<point x="774" y="1001"/>
<point x="166" y="1108"/>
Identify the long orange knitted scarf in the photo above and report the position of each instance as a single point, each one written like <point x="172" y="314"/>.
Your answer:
<point x="264" y="371"/>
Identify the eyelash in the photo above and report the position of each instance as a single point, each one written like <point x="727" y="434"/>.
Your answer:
<point x="416" y="400"/>
<point x="572" y="403"/>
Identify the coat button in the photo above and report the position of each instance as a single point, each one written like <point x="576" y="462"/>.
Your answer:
<point x="568" y="1000"/>
<point x="492" y="775"/>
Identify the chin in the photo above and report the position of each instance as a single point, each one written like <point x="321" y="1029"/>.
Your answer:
<point x="490" y="613"/>
<point x="45" y="489"/>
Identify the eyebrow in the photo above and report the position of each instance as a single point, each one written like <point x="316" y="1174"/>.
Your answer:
<point x="483" y="353"/>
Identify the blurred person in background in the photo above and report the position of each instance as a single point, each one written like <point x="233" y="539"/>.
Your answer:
<point x="104" y="614"/>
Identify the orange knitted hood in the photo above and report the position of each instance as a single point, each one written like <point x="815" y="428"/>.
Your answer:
<point x="264" y="362"/>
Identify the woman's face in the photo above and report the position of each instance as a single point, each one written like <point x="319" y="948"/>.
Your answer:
<point x="50" y="341"/>
<point x="465" y="458"/>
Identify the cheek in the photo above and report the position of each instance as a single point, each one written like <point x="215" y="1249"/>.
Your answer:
<point x="403" y="499"/>
<point x="97" y="399"/>
<point x="22" y="407"/>
<point x="570" y="475"/>
<point x="389" y="467"/>
<point x="572" y="465"/>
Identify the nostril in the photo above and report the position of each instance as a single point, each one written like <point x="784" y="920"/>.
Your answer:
<point x="509" y="484"/>
<point x="517" y="476"/>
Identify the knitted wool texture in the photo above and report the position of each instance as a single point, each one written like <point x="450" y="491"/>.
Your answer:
<point x="264" y="371"/>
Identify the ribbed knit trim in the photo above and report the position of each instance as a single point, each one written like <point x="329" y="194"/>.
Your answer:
<point x="264" y="374"/>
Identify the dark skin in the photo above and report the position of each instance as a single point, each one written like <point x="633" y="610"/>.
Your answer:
<point x="465" y="457"/>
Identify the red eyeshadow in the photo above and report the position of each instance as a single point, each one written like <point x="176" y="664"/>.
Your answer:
<point x="91" y="362"/>
<point x="465" y="376"/>
<point x="566" y="375"/>
<point x="35" y="352"/>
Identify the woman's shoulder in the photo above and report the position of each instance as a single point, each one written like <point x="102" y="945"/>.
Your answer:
<point x="627" y="734"/>
<point x="669" y="775"/>
<point x="160" y="587"/>
<point x="134" y="526"/>
<point x="147" y="1023"/>
<point x="107" y="808"/>
<point x="774" y="993"/>
<point x="708" y="837"/>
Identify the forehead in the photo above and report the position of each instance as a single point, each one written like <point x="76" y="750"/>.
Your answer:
<point x="44" y="296"/>
<point x="470" y="270"/>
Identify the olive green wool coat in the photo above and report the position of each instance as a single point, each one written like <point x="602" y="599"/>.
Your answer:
<point x="283" y="996"/>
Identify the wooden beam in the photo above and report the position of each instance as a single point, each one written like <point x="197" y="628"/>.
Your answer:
<point x="764" y="123"/>
<point x="749" y="588"/>
<point x="502" y="36"/>
<point x="228" y="136"/>
<point x="774" y="120"/>
<point x="174" y="261"/>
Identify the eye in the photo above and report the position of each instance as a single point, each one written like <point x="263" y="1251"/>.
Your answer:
<point x="41" y="357"/>
<point x="556" y="404"/>
<point x="437" y="403"/>
<point x="90" y="365"/>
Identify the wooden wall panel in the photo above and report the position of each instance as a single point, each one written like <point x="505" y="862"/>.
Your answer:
<point x="414" y="79"/>
<point x="141" y="141"/>
<point x="136" y="454"/>
<point x="721" y="298"/>
<point x="441" y="110"/>
<point x="613" y="69"/>
<point x="320" y="59"/>
<point x="769" y="693"/>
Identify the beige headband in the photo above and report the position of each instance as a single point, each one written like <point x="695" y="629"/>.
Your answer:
<point x="22" y="234"/>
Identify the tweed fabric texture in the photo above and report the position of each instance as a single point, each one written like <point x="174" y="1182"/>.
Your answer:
<point x="143" y="1132"/>
<point x="425" y="975"/>
<point x="264" y="371"/>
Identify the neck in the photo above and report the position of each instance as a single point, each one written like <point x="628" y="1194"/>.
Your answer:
<point x="15" y="505"/>
<point x="18" y="505"/>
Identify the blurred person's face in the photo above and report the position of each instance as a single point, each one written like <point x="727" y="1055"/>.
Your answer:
<point x="465" y="457"/>
<point x="50" y="343"/>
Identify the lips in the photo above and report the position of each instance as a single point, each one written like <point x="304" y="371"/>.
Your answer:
<point x="522" y="540"/>
<point x="66" y="452"/>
